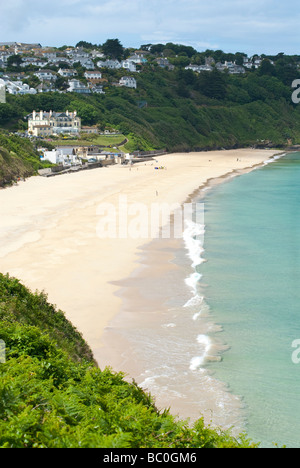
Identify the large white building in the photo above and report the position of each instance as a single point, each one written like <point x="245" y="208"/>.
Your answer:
<point x="50" y="123"/>
<point x="57" y="156"/>
<point x="2" y="92"/>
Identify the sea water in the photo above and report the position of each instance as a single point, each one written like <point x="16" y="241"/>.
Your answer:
<point x="251" y="283"/>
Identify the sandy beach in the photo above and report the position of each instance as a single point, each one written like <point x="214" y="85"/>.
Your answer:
<point x="49" y="238"/>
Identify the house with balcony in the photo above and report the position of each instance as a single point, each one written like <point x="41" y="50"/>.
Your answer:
<point x="76" y="86"/>
<point x="93" y="75"/>
<point x="46" y="75"/>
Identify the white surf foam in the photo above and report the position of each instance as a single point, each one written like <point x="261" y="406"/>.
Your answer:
<point x="198" y="361"/>
<point x="275" y="158"/>
<point x="193" y="237"/>
<point x="194" y="301"/>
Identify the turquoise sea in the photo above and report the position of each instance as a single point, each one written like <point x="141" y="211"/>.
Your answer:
<point x="251" y="283"/>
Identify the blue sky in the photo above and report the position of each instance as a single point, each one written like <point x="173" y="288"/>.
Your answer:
<point x="250" y="26"/>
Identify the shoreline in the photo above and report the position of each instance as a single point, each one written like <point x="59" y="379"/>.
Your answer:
<point x="48" y="233"/>
<point x="157" y="259"/>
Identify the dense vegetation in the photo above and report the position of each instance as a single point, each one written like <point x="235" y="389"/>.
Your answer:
<point x="18" y="159"/>
<point x="53" y="395"/>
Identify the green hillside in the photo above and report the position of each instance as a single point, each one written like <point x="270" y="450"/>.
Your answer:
<point x="18" y="158"/>
<point x="180" y="109"/>
<point x="53" y="395"/>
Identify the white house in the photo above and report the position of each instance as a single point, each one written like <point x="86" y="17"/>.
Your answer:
<point x="57" y="60"/>
<point x="232" y="68"/>
<point x="57" y="156"/>
<point x="113" y="64"/>
<point x="84" y="60"/>
<point x="129" y="65"/>
<point x="45" y="75"/>
<point x="45" y="87"/>
<point x="87" y="63"/>
<point x="97" y="54"/>
<point x="199" y="68"/>
<point x="77" y="53"/>
<point x="93" y="75"/>
<point x="67" y="72"/>
<point x="97" y="89"/>
<point x="54" y="156"/>
<point x="137" y="58"/>
<point x="36" y="62"/>
<point x="128" y="81"/>
<point x="48" y="55"/>
<point x="75" y="86"/>
<point x="247" y="62"/>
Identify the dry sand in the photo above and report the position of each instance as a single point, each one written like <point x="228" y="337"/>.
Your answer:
<point x="48" y="229"/>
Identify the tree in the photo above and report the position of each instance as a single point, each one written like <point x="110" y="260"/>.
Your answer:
<point x="212" y="84"/>
<point x="239" y="58"/>
<point x="32" y="80"/>
<point x="61" y="83"/>
<point x="286" y="72"/>
<point x="113" y="48"/>
<point x="86" y="45"/>
<point x="14" y="61"/>
<point x="266" y="68"/>
<point x="180" y="61"/>
<point x="157" y="48"/>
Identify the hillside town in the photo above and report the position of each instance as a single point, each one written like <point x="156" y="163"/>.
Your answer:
<point x="32" y="68"/>
<point x="130" y="101"/>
